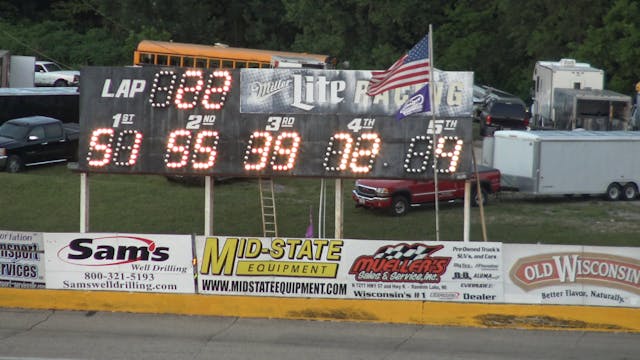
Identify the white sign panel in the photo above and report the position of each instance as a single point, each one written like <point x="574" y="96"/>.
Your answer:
<point x="309" y="91"/>
<point x="352" y="269"/>
<point x="21" y="260"/>
<point x="572" y="275"/>
<point x="119" y="262"/>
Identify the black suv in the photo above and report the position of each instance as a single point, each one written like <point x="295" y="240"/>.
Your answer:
<point x="502" y="113"/>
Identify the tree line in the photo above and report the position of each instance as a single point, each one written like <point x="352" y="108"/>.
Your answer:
<point x="499" y="40"/>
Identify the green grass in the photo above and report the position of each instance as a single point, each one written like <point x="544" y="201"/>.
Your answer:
<point x="47" y="199"/>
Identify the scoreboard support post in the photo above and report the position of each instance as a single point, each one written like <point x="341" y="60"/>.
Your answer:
<point x="338" y="209"/>
<point x="208" y="205"/>
<point x="84" y="202"/>
<point x="467" y="210"/>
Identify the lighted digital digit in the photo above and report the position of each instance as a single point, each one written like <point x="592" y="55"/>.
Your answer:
<point x="338" y="153"/>
<point x="286" y="147"/>
<point x="190" y="83"/>
<point x="218" y="85"/>
<point x="162" y="90"/>
<point x="99" y="153"/>
<point x="128" y="143"/>
<point x="417" y="157"/>
<point x="257" y="152"/>
<point x="205" y="150"/>
<point x="363" y="157"/>
<point x="178" y="147"/>
<point x="448" y="148"/>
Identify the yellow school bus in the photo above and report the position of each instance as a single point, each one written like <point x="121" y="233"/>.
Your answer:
<point x="150" y="52"/>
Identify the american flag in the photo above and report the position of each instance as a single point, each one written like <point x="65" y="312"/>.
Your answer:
<point x="412" y="68"/>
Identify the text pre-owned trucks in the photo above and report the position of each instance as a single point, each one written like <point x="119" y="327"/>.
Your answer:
<point x="555" y="162"/>
<point x="569" y="95"/>
<point x="398" y="195"/>
<point x="36" y="140"/>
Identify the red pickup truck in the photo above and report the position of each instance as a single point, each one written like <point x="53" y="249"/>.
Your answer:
<point x="399" y="195"/>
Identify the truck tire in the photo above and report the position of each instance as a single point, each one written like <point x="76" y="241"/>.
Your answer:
<point x="60" y="83"/>
<point x="630" y="191"/>
<point x="14" y="164"/>
<point x="474" y="196"/>
<point x="614" y="192"/>
<point x="399" y="205"/>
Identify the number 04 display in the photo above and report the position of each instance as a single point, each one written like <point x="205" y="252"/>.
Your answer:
<point x="181" y="121"/>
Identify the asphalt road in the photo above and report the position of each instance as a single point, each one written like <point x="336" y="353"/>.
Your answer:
<point x="39" y="334"/>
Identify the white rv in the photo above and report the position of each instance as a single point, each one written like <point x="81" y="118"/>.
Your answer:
<point x="564" y="74"/>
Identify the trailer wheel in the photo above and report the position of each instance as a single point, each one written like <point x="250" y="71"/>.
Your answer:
<point x="399" y="205"/>
<point x="614" y="192"/>
<point x="630" y="191"/>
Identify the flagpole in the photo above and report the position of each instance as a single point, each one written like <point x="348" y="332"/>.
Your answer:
<point x="433" y="128"/>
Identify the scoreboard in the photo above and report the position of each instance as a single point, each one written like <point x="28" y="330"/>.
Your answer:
<point x="267" y="122"/>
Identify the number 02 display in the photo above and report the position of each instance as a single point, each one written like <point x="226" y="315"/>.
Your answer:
<point x="154" y="120"/>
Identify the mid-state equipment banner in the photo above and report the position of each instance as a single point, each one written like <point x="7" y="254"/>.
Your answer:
<point x="572" y="275"/>
<point x="119" y="262"/>
<point x="350" y="269"/>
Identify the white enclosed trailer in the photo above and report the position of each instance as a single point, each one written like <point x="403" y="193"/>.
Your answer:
<point x="16" y="71"/>
<point x="564" y="74"/>
<point x="557" y="162"/>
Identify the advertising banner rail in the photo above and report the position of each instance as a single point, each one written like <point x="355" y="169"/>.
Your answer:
<point x="21" y="259"/>
<point x="388" y="270"/>
<point x="119" y="262"/>
<point x="350" y="269"/>
<point x="572" y="275"/>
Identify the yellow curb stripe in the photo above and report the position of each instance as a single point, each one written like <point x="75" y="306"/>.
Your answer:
<point x="594" y="318"/>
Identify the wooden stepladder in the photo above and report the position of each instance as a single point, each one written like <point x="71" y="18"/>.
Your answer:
<point x="268" y="206"/>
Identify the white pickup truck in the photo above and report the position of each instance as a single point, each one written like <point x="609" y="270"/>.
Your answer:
<point x="48" y="73"/>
